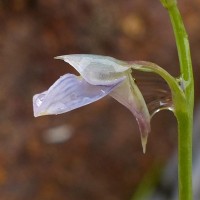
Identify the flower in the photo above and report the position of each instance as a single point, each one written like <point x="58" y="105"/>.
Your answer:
<point x="99" y="76"/>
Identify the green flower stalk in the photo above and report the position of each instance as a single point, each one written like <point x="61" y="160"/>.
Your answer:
<point x="184" y="114"/>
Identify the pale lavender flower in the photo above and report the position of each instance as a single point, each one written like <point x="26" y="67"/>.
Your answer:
<point x="99" y="76"/>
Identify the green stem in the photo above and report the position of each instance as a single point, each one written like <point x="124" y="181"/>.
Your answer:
<point x="185" y="156"/>
<point x="185" y="114"/>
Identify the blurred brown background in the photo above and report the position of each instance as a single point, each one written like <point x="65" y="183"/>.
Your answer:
<point x="92" y="153"/>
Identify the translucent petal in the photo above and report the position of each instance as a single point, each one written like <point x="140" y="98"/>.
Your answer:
<point x="95" y="69"/>
<point x="130" y="96"/>
<point x="176" y="87"/>
<point x="155" y="91"/>
<point x="67" y="93"/>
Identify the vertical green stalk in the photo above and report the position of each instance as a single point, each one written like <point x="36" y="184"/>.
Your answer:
<point x="184" y="114"/>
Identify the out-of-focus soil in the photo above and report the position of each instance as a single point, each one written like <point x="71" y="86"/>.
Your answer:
<point x="100" y="156"/>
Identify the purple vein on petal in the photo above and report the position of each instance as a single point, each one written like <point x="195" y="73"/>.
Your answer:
<point x="67" y="93"/>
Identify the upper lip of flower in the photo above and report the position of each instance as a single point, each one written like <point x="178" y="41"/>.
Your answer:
<point x="96" y="69"/>
<point x="101" y="75"/>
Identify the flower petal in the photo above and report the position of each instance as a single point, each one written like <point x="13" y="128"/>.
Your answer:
<point x="96" y="69"/>
<point x="130" y="96"/>
<point x="67" y="93"/>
